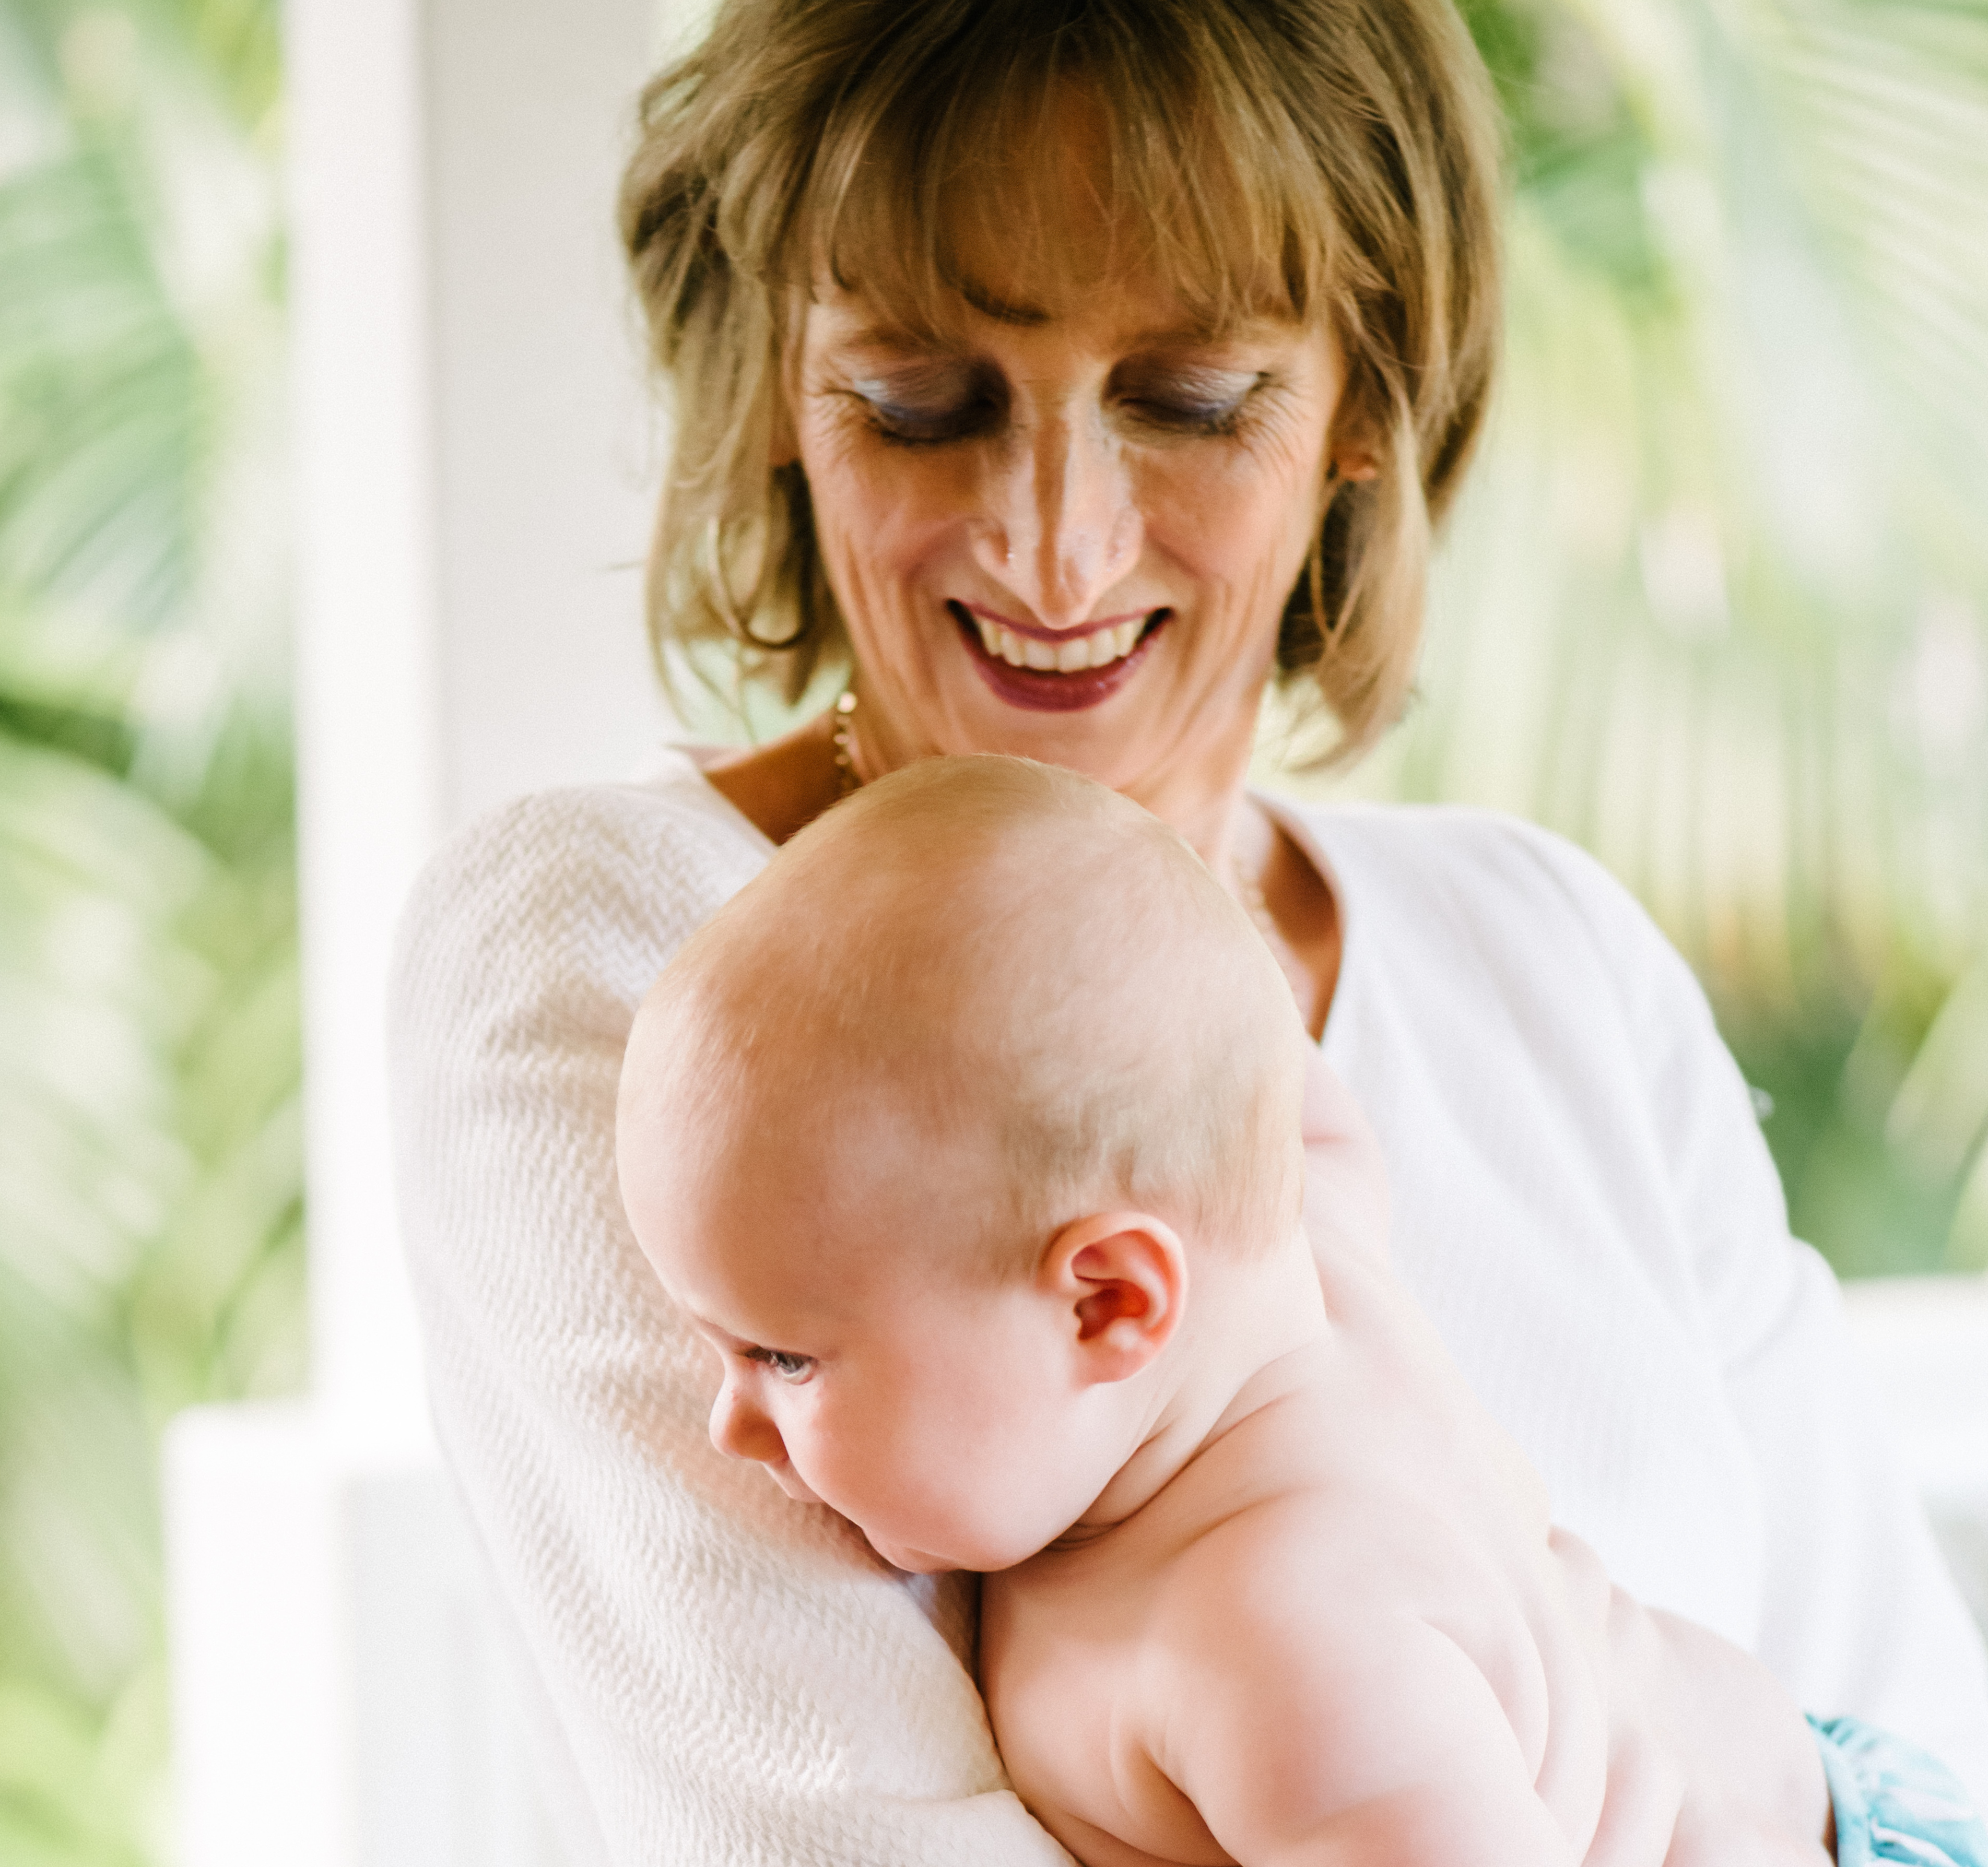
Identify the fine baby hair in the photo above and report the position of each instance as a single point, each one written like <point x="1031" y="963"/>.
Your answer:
<point x="1006" y="949"/>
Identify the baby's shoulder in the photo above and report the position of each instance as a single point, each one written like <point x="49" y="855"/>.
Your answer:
<point x="1261" y="1672"/>
<point x="1312" y="1647"/>
<point x="1282" y="1593"/>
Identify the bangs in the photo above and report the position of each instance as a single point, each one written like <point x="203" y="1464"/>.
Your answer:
<point x="1062" y="142"/>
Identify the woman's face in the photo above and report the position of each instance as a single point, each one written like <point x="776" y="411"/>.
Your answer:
<point x="1076" y="479"/>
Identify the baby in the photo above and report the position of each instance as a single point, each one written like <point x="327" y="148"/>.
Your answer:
<point x="969" y="1136"/>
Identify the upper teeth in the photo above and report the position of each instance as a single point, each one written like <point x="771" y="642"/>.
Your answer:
<point x="1099" y="649"/>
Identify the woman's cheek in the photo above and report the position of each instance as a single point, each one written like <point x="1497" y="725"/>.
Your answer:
<point x="1211" y="524"/>
<point x="882" y="496"/>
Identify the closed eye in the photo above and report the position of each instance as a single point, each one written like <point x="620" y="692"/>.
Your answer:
<point x="929" y="404"/>
<point x="902" y="425"/>
<point x="1189" y="400"/>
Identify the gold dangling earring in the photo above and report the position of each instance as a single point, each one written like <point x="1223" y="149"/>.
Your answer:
<point x="1315" y="558"/>
<point x="847" y="779"/>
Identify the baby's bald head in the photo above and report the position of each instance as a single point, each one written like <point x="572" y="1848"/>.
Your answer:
<point x="993" y="955"/>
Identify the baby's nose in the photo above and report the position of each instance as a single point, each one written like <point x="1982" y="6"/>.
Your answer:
<point x="740" y="1430"/>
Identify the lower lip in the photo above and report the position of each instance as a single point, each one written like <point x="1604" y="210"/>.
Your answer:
<point x="1041" y="691"/>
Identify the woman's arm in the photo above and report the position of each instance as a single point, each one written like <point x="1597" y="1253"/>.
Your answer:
<point x="1858" y="1611"/>
<point x="738" y="1679"/>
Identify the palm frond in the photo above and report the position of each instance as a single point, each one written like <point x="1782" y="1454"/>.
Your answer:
<point x="150" y="1239"/>
<point x="1716" y="602"/>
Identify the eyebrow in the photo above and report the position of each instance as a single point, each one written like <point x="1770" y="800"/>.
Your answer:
<point x="742" y="1344"/>
<point x="1028" y="316"/>
<point x="704" y="1322"/>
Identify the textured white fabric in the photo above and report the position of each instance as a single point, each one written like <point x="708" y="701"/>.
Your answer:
<point x="1582" y="1198"/>
<point x="1585" y="1206"/>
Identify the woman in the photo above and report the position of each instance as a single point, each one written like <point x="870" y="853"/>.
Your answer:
<point x="1069" y="373"/>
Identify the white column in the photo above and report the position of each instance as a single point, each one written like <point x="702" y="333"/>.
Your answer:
<point x="472" y="447"/>
<point x="369" y="710"/>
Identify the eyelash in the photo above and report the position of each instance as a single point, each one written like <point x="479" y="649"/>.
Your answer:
<point x="779" y="1360"/>
<point x="1222" y="422"/>
<point x="897" y="431"/>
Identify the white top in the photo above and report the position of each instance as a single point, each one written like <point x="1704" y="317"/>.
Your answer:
<point x="1582" y="1201"/>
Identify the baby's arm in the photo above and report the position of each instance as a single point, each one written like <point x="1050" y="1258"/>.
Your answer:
<point x="1307" y="1737"/>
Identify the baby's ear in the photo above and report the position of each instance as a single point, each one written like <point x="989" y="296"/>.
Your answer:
<point x="1120" y="1280"/>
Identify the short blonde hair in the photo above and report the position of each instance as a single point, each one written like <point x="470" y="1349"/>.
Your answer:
<point x="1333" y="158"/>
<point x="892" y="954"/>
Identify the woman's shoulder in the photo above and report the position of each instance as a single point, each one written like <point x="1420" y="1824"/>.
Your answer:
<point x="1463" y="852"/>
<point x="1424" y="877"/>
<point x="572" y="875"/>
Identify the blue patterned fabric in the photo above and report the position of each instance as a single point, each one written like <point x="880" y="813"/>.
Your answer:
<point x="1893" y="1802"/>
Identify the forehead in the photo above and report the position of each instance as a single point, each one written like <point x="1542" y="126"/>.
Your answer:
<point x="773" y="1212"/>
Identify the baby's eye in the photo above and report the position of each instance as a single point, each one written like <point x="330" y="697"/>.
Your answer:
<point x="796" y="1368"/>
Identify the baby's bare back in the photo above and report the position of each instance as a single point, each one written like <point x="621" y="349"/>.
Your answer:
<point x="1346" y="1631"/>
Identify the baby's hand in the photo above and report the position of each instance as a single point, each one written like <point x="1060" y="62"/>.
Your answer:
<point x="1346" y="1205"/>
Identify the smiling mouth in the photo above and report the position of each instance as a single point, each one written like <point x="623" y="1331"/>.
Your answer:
<point x="1063" y="676"/>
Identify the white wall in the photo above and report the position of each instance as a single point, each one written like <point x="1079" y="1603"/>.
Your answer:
<point x="544" y="445"/>
<point x="473" y="453"/>
<point x="473" y="445"/>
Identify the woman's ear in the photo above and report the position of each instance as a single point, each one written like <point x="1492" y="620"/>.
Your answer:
<point x="1353" y="445"/>
<point x="1119" y="1281"/>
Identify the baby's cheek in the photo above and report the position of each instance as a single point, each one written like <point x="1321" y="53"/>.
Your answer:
<point x="850" y="1470"/>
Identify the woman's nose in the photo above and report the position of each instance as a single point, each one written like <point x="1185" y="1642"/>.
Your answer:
<point x="1064" y="528"/>
<point x="740" y="1430"/>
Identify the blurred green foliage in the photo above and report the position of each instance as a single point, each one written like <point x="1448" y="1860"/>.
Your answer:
<point x="1714" y="606"/>
<point x="1715" y="603"/>
<point x="150" y="1248"/>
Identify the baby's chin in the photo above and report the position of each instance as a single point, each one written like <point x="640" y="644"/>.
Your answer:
<point x="900" y="1556"/>
<point x="914" y="1561"/>
<point x="989" y="1558"/>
